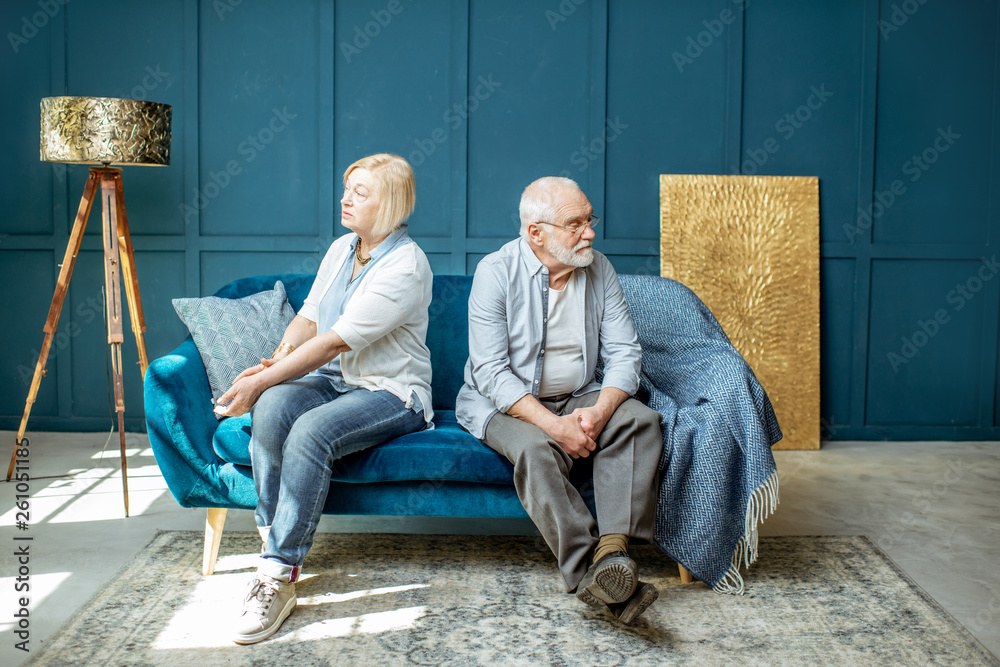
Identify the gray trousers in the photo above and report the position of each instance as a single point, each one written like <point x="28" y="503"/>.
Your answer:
<point x="624" y="470"/>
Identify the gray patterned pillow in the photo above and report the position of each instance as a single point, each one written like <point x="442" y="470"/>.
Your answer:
<point x="233" y="334"/>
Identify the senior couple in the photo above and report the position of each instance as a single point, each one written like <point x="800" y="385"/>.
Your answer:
<point x="353" y="371"/>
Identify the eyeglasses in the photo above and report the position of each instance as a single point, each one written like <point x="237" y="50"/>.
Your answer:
<point x="574" y="227"/>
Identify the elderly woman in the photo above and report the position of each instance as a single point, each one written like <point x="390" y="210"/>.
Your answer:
<point x="352" y="371"/>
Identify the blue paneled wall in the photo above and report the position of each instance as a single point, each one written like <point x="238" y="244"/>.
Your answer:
<point x="892" y="104"/>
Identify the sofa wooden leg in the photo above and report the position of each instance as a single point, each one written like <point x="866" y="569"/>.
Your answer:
<point x="686" y="577"/>
<point x="214" y="523"/>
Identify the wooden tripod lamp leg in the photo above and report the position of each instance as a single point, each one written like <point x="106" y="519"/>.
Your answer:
<point x="58" y="299"/>
<point x="112" y="283"/>
<point x="116" y="371"/>
<point x="129" y="276"/>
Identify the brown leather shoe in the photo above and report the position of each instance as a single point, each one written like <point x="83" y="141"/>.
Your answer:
<point x="610" y="580"/>
<point x="645" y="594"/>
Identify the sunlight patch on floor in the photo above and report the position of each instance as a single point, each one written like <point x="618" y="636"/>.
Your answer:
<point x="236" y="563"/>
<point x="42" y="585"/>
<point x="206" y="619"/>
<point x="374" y="623"/>
<point x="212" y="609"/>
<point x="130" y="453"/>
<point x="58" y="493"/>
<point x="107" y="504"/>
<point x="327" y="598"/>
<point x="93" y="495"/>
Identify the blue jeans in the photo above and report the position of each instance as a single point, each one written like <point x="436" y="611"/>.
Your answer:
<point x="299" y="428"/>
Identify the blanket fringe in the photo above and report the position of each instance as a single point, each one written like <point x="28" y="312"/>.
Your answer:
<point x="763" y="501"/>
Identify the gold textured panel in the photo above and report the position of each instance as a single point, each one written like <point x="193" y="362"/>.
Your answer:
<point x="104" y="130"/>
<point x="749" y="247"/>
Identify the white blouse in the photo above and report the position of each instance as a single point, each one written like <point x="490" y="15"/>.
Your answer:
<point x="384" y="323"/>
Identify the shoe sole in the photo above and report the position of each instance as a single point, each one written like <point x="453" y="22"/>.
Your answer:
<point x="267" y="632"/>
<point x="615" y="582"/>
<point x="586" y="596"/>
<point x="646" y="595"/>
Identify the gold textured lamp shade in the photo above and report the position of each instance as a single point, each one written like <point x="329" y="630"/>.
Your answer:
<point x="749" y="247"/>
<point x="105" y="130"/>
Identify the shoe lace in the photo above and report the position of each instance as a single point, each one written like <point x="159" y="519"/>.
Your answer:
<point x="259" y="597"/>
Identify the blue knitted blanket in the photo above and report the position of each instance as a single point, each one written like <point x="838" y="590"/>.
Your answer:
<point x="719" y="478"/>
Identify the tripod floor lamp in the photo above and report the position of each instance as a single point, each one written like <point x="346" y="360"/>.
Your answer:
<point x="101" y="131"/>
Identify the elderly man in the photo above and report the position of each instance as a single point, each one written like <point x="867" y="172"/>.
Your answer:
<point x="542" y="309"/>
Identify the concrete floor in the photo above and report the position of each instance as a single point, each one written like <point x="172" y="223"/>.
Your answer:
<point x="933" y="507"/>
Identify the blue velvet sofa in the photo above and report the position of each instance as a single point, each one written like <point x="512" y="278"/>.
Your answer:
<point x="439" y="472"/>
<point x="443" y="471"/>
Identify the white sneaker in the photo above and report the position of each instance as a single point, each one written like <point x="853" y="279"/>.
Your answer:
<point x="267" y="604"/>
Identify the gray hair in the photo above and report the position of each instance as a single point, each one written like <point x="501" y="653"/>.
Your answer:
<point x="538" y="200"/>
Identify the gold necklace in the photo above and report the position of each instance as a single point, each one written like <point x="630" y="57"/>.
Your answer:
<point x="357" y="253"/>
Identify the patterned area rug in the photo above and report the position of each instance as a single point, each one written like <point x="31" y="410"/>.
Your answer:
<point x="431" y="600"/>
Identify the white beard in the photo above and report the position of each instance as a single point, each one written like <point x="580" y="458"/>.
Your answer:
<point x="580" y="255"/>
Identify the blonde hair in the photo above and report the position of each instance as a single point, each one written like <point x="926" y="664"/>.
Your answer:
<point x="396" y="189"/>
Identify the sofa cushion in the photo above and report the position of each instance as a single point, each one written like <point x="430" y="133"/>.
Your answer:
<point x="445" y="453"/>
<point x="448" y="337"/>
<point x="233" y="334"/>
